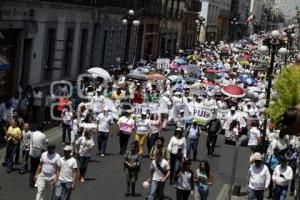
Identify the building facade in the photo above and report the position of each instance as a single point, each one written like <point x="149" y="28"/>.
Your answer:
<point x="217" y="15"/>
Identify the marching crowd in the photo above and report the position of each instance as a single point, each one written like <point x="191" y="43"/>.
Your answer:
<point x="55" y="176"/>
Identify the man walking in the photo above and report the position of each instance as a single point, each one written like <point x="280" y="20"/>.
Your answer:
<point x="193" y="133"/>
<point x="282" y="175"/>
<point x="104" y="122"/>
<point x="259" y="178"/>
<point x="47" y="173"/>
<point x="214" y="127"/>
<point x="38" y="144"/>
<point x="67" y="175"/>
<point x="160" y="172"/>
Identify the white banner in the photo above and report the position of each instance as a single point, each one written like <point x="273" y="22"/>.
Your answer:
<point x="163" y="63"/>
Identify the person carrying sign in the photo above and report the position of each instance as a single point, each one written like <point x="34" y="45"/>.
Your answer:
<point x="214" y="127"/>
<point x="192" y="134"/>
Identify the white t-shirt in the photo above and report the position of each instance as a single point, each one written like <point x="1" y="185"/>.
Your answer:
<point x="66" y="171"/>
<point x="254" y="134"/>
<point x="50" y="163"/>
<point x="38" y="140"/>
<point x="287" y="173"/>
<point x="97" y="103"/>
<point x="67" y="118"/>
<point x="176" y="143"/>
<point x="259" y="178"/>
<point x="37" y="98"/>
<point x="104" y="122"/>
<point x="158" y="175"/>
<point x="85" y="146"/>
<point x="143" y="126"/>
<point x="193" y="132"/>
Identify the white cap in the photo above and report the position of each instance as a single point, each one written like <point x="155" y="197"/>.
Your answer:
<point x="181" y="111"/>
<point x="232" y="108"/>
<point x="105" y="108"/>
<point x="68" y="148"/>
<point x="144" y="113"/>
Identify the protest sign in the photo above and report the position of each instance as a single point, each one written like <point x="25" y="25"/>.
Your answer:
<point x="162" y="63"/>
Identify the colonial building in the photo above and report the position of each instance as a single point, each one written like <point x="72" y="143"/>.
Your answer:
<point x="189" y="30"/>
<point x="43" y="41"/>
<point x="217" y="15"/>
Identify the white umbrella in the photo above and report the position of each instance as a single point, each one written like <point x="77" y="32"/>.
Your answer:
<point x="100" y="73"/>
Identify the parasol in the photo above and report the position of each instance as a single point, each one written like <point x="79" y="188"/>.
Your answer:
<point x="212" y="76"/>
<point x="233" y="91"/>
<point x="155" y="76"/>
<point x="180" y="61"/>
<point x="137" y="76"/>
<point x="99" y="72"/>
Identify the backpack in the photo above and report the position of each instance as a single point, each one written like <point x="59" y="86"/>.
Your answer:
<point x="214" y="126"/>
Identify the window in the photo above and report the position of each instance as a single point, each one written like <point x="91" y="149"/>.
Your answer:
<point x="83" y="49"/>
<point x="49" y="53"/>
<point x="67" y="60"/>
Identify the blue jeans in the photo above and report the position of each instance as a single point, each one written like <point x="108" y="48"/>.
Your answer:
<point x="157" y="190"/>
<point x="102" y="141"/>
<point x="63" y="190"/>
<point x="192" y="145"/>
<point x="280" y="192"/>
<point x="10" y="152"/>
<point x="255" y="194"/>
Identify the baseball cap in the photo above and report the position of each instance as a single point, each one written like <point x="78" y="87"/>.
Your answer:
<point x="105" y="108"/>
<point x="257" y="156"/>
<point x="68" y="148"/>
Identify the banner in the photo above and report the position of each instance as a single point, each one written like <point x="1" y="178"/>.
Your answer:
<point x="138" y="109"/>
<point x="163" y="63"/>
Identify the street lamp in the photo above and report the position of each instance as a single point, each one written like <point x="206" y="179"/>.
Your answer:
<point x="128" y="21"/>
<point x="234" y="23"/>
<point x="199" y="22"/>
<point x="274" y="47"/>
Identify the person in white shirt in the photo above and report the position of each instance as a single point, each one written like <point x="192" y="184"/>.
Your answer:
<point x="66" y="124"/>
<point x="15" y="101"/>
<point x="104" y="123"/>
<point x="97" y="102"/>
<point x="254" y="135"/>
<point x="25" y="146"/>
<point x="38" y="143"/>
<point x="160" y="171"/>
<point x="259" y="178"/>
<point x="47" y="173"/>
<point x="282" y="176"/>
<point x="177" y="148"/>
<point x="85" y="145"/>
<point x="142" y="132"/>
<point x="48" y="102"/>
<point x="37" y="103"/>
<point x="67" y="175"/>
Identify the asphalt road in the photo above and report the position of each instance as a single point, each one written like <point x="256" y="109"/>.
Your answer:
<point x="105" y="177"/>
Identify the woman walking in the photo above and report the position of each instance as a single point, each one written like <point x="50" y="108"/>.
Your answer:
<point x="132" y="167"/>
<point x="203" y="180"/>
<point x="13" y="136"/>
<point x="155" y="126"/>
<point x="126" y="126"/>
<point x="185" y="184"/>
<point x="232" y="134"/>
<point x="85" y="145"/>
<point x="177" y="149"/>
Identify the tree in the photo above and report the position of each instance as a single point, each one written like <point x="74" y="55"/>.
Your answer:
<point x="287" y="88"/>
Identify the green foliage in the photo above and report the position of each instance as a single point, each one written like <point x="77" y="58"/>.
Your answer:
<point x="287" y="86"/>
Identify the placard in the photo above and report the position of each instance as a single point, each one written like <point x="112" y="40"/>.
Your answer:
<point x="162" y="63"/>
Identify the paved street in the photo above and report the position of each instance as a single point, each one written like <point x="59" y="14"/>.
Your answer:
<point x="105" y="175"/>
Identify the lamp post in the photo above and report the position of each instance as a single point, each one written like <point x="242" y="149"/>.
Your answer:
<point x="298" y="21"/>
<point x="199" y="22"/>
<point x="274" y="47"/>
<point x="129" y="20"/>
<point x="234" y="23"/>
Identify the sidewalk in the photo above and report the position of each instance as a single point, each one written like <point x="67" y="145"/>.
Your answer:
<point x="51" y="133"/>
